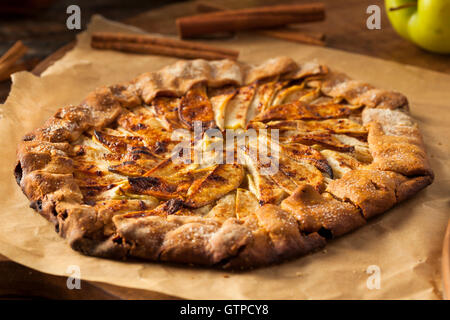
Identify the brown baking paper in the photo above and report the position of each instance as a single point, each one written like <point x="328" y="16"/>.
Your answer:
<point x="404" y="243"/>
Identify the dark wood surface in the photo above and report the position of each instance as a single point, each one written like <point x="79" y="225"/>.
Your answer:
<point x="345" y="28"/>
<point x="44" y="30"/>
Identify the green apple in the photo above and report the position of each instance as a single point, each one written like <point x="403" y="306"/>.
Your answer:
<point x="424" y="22"/>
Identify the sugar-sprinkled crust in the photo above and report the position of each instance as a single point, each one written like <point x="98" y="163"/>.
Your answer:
<point x="290" y="219"/>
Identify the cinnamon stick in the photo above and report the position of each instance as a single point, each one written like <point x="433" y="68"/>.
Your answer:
<point x="166" y="42"/>
<point x="8" y="62"/>
<point x="158" y="50"/>
<point x="159" y="46"/>
<point x="245" y="19"/>
<point x="315" y="38"/>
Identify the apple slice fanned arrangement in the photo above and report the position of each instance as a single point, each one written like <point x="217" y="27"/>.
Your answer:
<point x="222" y="164"/>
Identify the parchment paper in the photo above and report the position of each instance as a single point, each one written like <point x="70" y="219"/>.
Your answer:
<point x="405" y="243"/>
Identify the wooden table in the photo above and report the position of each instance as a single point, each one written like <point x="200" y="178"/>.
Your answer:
<point x="345" y="28"/>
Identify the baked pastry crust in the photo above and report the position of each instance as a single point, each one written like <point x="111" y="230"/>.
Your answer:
<point x="355" y="146"/>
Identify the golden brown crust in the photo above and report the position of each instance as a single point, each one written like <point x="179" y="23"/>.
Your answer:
<point x="317" y="212"/>
<point x="358" y="93"/>
<point x="395" y="142"/>
<point x="172" y="231"/>
<point x="272" y="67"/>
<point x="375" y="191"/>
<point x="275" y="236"/>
